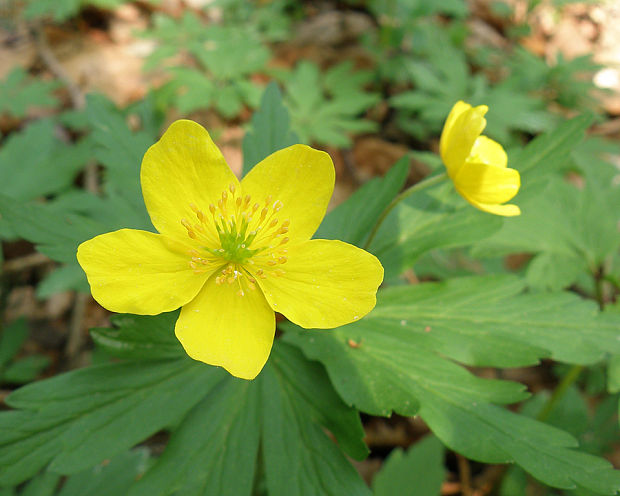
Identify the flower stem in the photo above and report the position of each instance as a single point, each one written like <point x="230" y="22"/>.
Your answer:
<point x="425" y="183"/>
<point x="560" y="391"/>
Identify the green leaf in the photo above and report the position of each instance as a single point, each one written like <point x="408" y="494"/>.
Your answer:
<point x="232" y="53"/>
<point x="571" y="231"/>
<point x="399" y="358"/>
<point x="56" y="233"/>
<point x="270" y="129"/>
<point x="427" y="221"/>
<point x="11" y="340"/>
<point x="25" y="369"/>
<point x="75" y="420"/>
<point x="299" y="458"/>
<point x="120" y="150"/>
<point x="189" y="89"/>
<point x="225" y="58"/>
<point x="419" y="472"/>
<point x="43" y="485"/>
<point x="37" y="153"/>
<point x="226" y="422"/>
<point x="141" y="337"/>
<point x="546" y="154"/>
<point x="613" y="374"/>
<point x="19" y="93"/>
<point x="61" y="279"/>
<point x="308" y="385"/>
<point x="326" y="107"/>
<point x="353" y="220"/>
<point x="214" y="450"/>
<point x="228" y="102"/>
<point x="114" y="476"/>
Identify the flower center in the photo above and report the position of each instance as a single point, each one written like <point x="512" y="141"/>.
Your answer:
<point x="245" y="233"/>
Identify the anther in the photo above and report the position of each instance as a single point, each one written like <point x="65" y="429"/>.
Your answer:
<point x="277" y="206"/>
<point x="193" y="207"/>
<point x="212" y="208"/>
<point x="224" y="195"/>
<point x="268" y="200"/>
<point x="255" y="207"/>
<point x="286" y="223"/>
<point x="247" y="200"/>
<point x="186" y="224"/>
<point x="284" y="240"/>
<point x="282" y="260"/>
<point x="231" y="187"/>
<point x="273" y="223"/>
<point x="271" y="262"/>
<point x="240" y="293"/>
<point x="238" y="202"/>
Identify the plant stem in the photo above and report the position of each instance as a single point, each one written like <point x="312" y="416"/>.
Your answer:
<point x="560" y="391"/>
<point x="425" y="183"/>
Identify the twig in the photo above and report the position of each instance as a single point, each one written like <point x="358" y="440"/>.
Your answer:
<point x="464" y="475"/>
<point x="76" y="337"/>
<point x="25" y="262"/>
<point x="49" y="59"/>
<point x="486" y="481"/>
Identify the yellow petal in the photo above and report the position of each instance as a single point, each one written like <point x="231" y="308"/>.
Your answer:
<point x="508" y="210"/>
<point x="183" y="168"/>
<point x="482" y="183"/>
<point x="300" y="177"/>
<point x="325" y="284"/>
<point x="222" y="328"/>
<point x="132" y="271"/>
<point x="459" y="135"/>
<point x="458" y="108"/>
<point x="489" y="152"/>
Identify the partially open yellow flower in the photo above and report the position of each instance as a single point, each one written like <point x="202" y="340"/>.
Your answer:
<point x="231" y="253"/>
<point x="477" y="164"/>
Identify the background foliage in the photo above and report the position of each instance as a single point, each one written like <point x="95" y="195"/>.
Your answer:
<point x="500" y="337"/>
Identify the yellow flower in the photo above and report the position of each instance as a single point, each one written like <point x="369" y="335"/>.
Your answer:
<point x="231" y="253"/>
<point x="477" y="164"/>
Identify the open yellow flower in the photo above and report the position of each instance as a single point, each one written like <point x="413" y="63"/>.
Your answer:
<point x="231" y="253"/>
<point x="477" y="164"/>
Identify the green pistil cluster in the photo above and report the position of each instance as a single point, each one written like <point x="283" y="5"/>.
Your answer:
<point x="234" y="243"/>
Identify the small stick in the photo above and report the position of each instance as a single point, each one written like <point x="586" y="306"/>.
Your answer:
<point x="464" y="475"/>
<point x="25" y="262"/>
